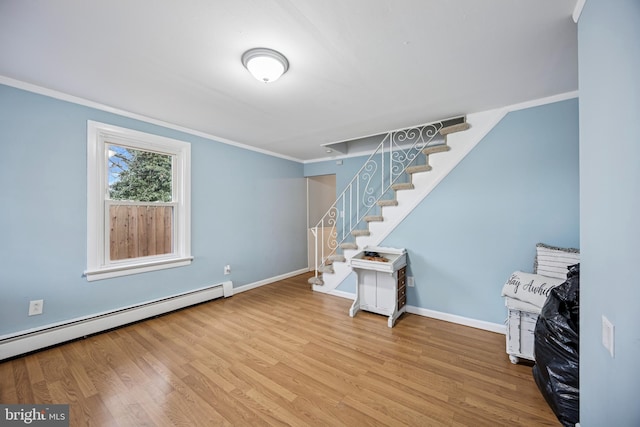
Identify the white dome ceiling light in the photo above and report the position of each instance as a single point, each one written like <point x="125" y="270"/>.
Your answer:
<point x="266" y="65"/>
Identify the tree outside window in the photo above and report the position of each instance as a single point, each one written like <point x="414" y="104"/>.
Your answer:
<point x="138" y="202"/>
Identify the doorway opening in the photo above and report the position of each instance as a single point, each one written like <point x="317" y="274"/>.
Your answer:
<point x="321" y="194"/>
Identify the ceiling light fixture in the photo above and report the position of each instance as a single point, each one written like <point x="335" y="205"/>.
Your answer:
<point x="266" y="65"/>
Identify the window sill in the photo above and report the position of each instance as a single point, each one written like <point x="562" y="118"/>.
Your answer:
<point x="143" y="267"/>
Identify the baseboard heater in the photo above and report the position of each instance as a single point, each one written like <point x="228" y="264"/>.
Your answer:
<point x="36" y="339"/>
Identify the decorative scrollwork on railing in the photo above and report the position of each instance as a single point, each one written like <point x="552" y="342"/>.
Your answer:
<point x="401" y="158"/>
<point x="397" y="151"/>
<point x="405" y="135"/>
<point x="332" y="240"/>
<point x="369" y="171"/>
<point x="331" y="216"/>
<point x="431" y="131"/>
<point x="398" y="160"/>
<point x="332" y="219"/>
<point x="404" y="154"/>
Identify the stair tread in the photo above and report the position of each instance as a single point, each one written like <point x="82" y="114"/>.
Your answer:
<point x="316" y="281"/>
<point x="403" y="186"/>
<point x="454" y="128"/>
<point x="390" y="202"/>
<point x="337" y="258"/>
<point x="349" y="245"/>
<point x="326" y="269"/>
<point x="360" y="233"/>
<point x="418" y="168"/>
<point x="440" y="148"/>
<point x="374" y="218"/>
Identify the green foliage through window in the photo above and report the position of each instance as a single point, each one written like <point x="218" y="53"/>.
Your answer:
<point x="138" y="175"/>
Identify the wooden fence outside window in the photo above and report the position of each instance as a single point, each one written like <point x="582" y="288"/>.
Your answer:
<point x="139" y="231"/>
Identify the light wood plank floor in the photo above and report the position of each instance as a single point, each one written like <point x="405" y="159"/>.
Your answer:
<point x="281" y="355"/>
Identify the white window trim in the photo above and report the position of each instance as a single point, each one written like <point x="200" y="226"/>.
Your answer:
<point x="98" y="266"/>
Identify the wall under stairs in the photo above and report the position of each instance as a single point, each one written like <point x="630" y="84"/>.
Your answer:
<point x="516" y="188"/>
<point x="460" y="143"/>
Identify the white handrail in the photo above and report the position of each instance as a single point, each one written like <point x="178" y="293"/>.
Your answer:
<point x="386" y="164"/>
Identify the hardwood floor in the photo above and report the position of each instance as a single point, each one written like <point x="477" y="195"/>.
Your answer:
<point x="281" y="355"/>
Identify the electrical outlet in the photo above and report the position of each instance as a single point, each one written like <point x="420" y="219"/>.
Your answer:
<point x="227" y="269"/>
<point x="410" y="282"/>
<point x="608" y="332"/>
<point x="36" y="307"/>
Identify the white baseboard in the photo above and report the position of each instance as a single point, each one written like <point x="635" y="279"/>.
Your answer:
<point x="38" y="338"/>
<point x="45" y="336"/>
<point x="227" y="289"/>
<point x="342" y="294"/>
<point x="259" y="283"/>
<point x="466" y="321"/>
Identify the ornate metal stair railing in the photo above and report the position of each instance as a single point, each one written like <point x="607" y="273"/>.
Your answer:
<point x="397" y="151"/>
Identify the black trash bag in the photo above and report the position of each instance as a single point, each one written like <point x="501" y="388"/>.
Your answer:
<point x="556" y="349"/>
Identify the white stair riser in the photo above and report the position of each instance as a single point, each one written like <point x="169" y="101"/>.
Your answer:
<point x="341" y="270"/>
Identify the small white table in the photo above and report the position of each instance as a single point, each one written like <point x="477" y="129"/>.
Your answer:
<point x="381" y="286"/>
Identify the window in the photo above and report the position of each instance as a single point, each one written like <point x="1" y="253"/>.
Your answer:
<point x="138" y="202"/>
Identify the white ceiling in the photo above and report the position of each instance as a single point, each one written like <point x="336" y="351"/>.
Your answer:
<point x="357" y="67"/>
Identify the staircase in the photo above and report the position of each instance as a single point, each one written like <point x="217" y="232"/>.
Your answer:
<point x="403" y="169"/>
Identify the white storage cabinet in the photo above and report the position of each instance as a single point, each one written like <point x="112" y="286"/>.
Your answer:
<point x="381" y="286"/>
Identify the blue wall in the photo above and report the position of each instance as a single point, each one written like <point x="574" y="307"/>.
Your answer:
<point x="609" y="67"/>
<point x="344" y="172"/>
<point x="243" y="203"/>
<point x="518" y="187"/>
